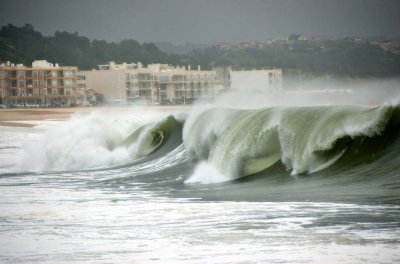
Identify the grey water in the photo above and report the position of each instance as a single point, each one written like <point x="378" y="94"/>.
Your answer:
<point x="67" y="197"/>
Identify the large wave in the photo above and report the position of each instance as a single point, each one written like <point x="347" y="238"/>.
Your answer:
<point x="226" y="143"/>
<point x="237" y="143"/>
<point x="102" y="140"/>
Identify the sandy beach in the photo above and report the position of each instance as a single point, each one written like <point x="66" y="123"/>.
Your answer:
<point x="15" y="117"/>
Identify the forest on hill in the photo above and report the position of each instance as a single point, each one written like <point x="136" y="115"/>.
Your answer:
<point x="338" y="57"/>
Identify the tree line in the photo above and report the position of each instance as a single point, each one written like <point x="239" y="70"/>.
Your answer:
<point x="339" y="57"/>
<point x="25" y="44"/>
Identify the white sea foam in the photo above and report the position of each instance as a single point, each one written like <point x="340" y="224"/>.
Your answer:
<point x="205" y="173"/>
<point x="88" y="141"/>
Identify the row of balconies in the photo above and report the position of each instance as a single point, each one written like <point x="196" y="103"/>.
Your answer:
<point x="181" y="88"/>
<point x="38" y="74"/>
<point x="37" y="78"/>
<point x="178" y="95"/>
<point x="41" y="96"/>
<point x="190" y="94"/>
<point x="40" y="88"/>
<point x="30" y="92"/>
<point x="138" y="84"/>
<point x="186" y="80"/>
<point x="38" y="83"/>
<point x="168" y="79"/>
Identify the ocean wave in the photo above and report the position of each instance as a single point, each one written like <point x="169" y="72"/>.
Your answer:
<point x="100" y="140"/>
<point x="238" y="143"/>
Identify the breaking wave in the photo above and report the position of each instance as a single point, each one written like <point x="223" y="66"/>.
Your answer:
<point x="237" y="143"/>
<point x="101" y="140"/>
<point x="226" y="144"/>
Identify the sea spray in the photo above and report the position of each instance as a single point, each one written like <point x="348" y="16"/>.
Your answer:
<point x="88" y="141"/>
<point x="205" y="173"/>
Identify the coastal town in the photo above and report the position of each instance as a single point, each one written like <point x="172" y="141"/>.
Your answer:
<point x="45" y="84"/>
<point x="67" y="70"/>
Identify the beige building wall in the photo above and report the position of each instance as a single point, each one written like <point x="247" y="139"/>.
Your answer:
<point x="110" y="83"/>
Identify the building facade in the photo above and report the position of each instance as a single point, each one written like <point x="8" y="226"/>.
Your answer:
<point x="156" y="83"/>
<point x="257" y="80"/>
<point x="43" y="84"/>
<point x="223" y="77"/>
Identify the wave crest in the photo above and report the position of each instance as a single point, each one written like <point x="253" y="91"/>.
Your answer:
<point x="98" y="140"/>
<point x="238" y="143"/>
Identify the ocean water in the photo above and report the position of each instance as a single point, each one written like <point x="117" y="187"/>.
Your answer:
<point x="316" y="184"/>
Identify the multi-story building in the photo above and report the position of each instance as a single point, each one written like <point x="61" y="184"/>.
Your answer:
<point x="223" y="77"/>
<point x="88" y="95"/>
<point x="156" y="83"/>
<point x="44" y="84"/>
<point x="201" y="84"/>
<point x="257" y="80"/>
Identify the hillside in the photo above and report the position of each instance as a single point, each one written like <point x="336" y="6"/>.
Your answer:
<point x="341" y="57"/>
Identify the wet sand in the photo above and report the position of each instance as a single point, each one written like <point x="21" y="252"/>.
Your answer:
<point x="15" y="117"/>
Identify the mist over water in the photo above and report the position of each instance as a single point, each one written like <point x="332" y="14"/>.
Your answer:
<point x="316" y="91"/>
<point x="306" y="175"/>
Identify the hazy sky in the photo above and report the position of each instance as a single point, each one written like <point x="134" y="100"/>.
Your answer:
<point x="205" y="21"/>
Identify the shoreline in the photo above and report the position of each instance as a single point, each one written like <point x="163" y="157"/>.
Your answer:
<point x="14" y="117"/>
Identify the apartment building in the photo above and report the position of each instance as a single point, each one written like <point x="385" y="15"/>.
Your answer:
<point x="43" y="84"/>
<point x="156" y="83"/>
<point x="184" y="85"/>
<point x="223" y="77"/>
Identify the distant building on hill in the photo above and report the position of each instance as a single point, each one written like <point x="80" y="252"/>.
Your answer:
<point x="156" y="83"/>
<point x="257" y="80"/>
<point x="43" y="84"/>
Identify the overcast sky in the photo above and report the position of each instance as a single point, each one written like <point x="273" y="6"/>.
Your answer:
<point x="205" y="21"/>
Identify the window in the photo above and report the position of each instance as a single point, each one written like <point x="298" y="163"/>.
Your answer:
<point x="145" y="77"/>
<point x="164" y="79"/>
<point x="21" y="74"/>
<point x="145" y="93"/>
<point x="21" y="83"/>
<point x="177" y="78"/>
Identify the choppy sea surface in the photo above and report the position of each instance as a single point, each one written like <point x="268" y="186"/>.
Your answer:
<point x="273" y="185"/>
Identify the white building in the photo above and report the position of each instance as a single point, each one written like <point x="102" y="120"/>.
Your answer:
<point x="223" y="78"/>
<point x="257" y="80"/>
<point x="156" y="83"/>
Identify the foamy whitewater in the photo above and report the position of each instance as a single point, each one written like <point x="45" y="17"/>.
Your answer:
<point x="270" y="184"/>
